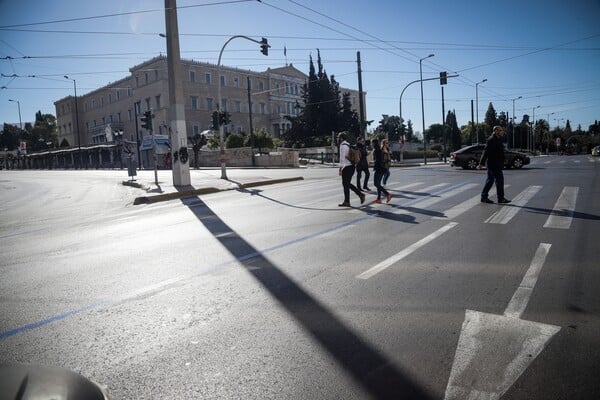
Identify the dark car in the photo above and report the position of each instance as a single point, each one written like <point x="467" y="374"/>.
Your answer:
<point x="468" y="157"/>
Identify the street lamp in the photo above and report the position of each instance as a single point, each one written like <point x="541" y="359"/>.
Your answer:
<point x="76" y="120"/>
<point x="423" y="108"/>
<point x="265" y="50"/>
<point x="477" y="106"/>
<point x="19" y="107"/>
<point x="513" y="124"/>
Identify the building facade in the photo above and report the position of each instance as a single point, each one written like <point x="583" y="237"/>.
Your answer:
<point x="270" y="96"/>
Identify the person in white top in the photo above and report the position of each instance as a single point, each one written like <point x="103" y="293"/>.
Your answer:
<point x="346" y="171"/>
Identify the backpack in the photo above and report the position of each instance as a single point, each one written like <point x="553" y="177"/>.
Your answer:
<point x="353" y="155"/>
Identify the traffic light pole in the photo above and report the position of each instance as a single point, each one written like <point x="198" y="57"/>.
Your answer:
<point x="400" y="102"/>
<point x="264" y="50"/>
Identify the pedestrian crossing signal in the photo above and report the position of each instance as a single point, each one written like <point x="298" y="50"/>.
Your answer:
<point x="443" y="78"/>
<point x="264" y="47"/>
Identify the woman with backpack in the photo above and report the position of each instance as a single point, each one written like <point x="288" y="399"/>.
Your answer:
<point x="379" y="170"/>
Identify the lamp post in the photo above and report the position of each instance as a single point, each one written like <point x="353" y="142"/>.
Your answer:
<point x="477" y="107"/>
<point x="76" y="120"/>
<point x="19" y="107"/>
<point x="264" y="50"/>
<point x="513" y="124"/>
<point x="423" y="108"/>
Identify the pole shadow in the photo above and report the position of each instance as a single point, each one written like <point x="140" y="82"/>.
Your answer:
<point x="371" y="369"/>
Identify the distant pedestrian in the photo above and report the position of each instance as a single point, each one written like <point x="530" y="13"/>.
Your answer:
<point x="493" y="156"/>
<point x="346" y="171"/>
<point x="387" y="160"/>
<point x="363" y="164"/>
<point x="379" y="170"/>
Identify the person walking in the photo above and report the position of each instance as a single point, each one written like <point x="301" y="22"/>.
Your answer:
<point x="493" y="156"/>
<point x="378" y="169"/>
<point x="387" y="160"/>
<point x="363" y="164"/>
<point x="346" y="171"/>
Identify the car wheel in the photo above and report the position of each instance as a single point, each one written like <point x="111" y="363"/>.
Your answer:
<point x="517" y="162"/>
<point x="471" y="164"/>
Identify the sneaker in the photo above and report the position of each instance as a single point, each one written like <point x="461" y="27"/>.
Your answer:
<point x="378" y="201"/>
<point x="362" y="198"/>
<point x="344" y="204"/>
<point x="503" y="201"/>
<point x="367" y="189"/>
<point x="388" y="198"/>
<point x="486" y="200"/>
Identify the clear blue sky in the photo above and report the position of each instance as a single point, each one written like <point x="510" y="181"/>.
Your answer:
<point x="548" y="52"/>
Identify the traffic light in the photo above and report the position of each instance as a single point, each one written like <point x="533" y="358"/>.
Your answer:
<point x="147" y="120"/>
<point x="264" y="47"/>
<point x="443" y="78"/>
<point x="215" y="120"/>
<point x="225" y="118"/>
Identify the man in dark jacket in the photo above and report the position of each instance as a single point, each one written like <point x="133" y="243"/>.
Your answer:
<point x="493" y="155"/>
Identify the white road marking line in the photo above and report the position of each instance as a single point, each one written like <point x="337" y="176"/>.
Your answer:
<point x="564" y="205"/>
<point x="410" y="249"/>
<point x="460" y="208"/>
<point x="480" y="371"/>
<point x="507" y="212"/>
<point x="519" y="301"/>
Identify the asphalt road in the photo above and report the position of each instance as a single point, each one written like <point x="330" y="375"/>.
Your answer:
<point x="275" y="292"/>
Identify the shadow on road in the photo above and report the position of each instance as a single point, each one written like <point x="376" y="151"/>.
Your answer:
<point x="371" y="369"/>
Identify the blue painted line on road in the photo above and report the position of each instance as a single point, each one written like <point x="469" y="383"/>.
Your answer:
<point x="59" y="317"/>
<point x="67" y="314"/>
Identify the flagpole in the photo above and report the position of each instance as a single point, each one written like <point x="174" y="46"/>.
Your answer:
<point x="285" y="54"/>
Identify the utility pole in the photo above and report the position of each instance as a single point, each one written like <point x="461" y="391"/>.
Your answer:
<point x="361" y="104"/>
<point x="180" y="165"/>
<point x="250" y="117"/>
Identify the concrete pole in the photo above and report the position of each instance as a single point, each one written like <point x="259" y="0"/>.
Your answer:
<point x="181" y="169"/>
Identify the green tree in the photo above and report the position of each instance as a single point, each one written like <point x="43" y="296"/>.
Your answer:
<point x="262" y="140"/>
<point x="234" y="140"/>
<point x="10" y="137"/>
<point x="454" y="141"/>
<point x="321" y="112"/>
<point x="389" y="126"/>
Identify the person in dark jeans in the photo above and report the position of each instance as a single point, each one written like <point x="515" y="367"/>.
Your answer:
<point x="363" y="164"/>
<point x="346" y="171"/>
<point x="493" y="155"/>
<point x="379" y="170"/>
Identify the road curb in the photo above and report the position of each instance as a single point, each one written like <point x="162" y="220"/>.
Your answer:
<point x="201" y="191"/>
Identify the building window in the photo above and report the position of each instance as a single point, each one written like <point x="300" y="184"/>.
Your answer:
<point x="102" y="101"/>
<point x="192" y="76"/>
<point x="224" y="104"/>
<point x="118" y="95"/>
<point x="223" y="80"/>
<point x="93" y="103"/>
<point x="236" y="82"/>
<point x="138" y="107"/>
<point x="263" y="108"/>
<point x="137" y="81"/>
<point x="207" y="78"/>
<point x="261" y="85"/>
<point x="109" y="98"/>
<point x="129" y="115"/>
<point x="146" y="78"/>
<point x="129" y="94"/>
<point x="209" y="104"/>
<point x="155" y="74"/>
<point x="157" y="98"/>
<point x="148" y="103"/>
<point x="119" y="117"/>
<point x="238" y="106"/>
<point x="194" y="102"/>
<point x="196" y="129"/>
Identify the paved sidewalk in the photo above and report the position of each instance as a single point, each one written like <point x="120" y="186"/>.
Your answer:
<point x="206" y="180"/>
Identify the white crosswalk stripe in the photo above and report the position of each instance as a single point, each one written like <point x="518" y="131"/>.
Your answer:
<point x="562" y="213"/>
<point x="507" y="212"/>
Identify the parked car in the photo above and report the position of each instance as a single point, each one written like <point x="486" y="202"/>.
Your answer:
<point x="596" y="151"/>
<point x="468" y="157"/>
